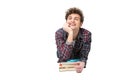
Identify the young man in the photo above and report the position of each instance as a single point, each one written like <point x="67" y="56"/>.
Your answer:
<point x="73" y="42"/>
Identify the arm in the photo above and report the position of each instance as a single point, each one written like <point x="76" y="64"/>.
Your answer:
<point x="64" y="47"/>
<point x="64" y="50"/>
<point x="84" y="54"/>
<point x="86" y="48"/>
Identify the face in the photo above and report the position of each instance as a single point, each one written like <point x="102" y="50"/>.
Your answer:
<point x="74" y="21"/>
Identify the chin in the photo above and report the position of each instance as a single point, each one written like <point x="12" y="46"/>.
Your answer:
<point x="72" y="28"/>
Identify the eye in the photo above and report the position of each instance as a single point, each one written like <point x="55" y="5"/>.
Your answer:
<point x="69" y="18"/>
<point x="76" y="19"/>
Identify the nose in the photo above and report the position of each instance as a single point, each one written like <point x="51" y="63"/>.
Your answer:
<point x="72" y="20"/>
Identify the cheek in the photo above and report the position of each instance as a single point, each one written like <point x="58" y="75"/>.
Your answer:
<point x="68" y="22"/>
<point x="78" y="23"/>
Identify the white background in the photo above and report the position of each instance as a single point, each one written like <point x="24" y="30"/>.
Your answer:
<point x="27" y="39"/>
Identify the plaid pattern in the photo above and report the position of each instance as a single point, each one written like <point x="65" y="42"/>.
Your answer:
<point x="81" y="47"/>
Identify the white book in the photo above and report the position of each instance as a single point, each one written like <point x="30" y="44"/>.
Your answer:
<point x="67" y="66"/>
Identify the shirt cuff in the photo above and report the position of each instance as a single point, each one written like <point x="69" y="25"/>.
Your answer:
<point x="69" y="43"/>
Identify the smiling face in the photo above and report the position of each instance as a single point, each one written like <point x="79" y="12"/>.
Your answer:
<point x="74" y="21"/>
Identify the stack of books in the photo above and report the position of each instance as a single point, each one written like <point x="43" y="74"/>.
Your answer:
<point x="66" y="66"/>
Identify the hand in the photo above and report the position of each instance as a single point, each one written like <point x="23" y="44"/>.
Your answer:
<point x="66" y="27"/>
<point x="79" y="66"/>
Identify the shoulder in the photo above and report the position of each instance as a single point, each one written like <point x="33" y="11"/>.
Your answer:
<point x="85" y="31"/>
<point x="60" y="31"/>
<point x="86" y="35"/>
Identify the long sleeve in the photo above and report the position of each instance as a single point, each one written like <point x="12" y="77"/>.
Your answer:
<point x="86" y="45"/>
<point x="64" y="50"/>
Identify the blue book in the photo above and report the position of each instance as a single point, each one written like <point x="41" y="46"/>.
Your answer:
<point x="73" y="60"/>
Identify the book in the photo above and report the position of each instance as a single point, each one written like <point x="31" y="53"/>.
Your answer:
<point x="66" y="66"/>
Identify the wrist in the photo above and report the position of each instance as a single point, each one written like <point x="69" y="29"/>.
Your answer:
<point x="70" y="32"/>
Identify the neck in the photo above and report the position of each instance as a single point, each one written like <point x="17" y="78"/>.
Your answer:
<point x="75" y="33"/>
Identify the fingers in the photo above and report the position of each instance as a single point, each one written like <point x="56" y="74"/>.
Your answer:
<point x="66" y="27"/>
<point x="78" y="67"/>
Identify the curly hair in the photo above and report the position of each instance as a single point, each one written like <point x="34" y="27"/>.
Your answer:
<point x="74" y="10"/>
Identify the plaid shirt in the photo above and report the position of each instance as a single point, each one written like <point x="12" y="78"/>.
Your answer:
<point x="79" y="50"/>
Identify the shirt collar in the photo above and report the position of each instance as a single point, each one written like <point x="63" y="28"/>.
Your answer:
<point x="78" y="37"/>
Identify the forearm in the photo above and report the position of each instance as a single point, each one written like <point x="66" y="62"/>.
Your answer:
<point x="70" y="37"/>
<point x="64" y="52"/>
<point x="66" y="48"/>
<point x="86" y="48"/>
<point x="85" y="52"/>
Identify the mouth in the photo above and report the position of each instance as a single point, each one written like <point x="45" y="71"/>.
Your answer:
<point x="72" y="24"/>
